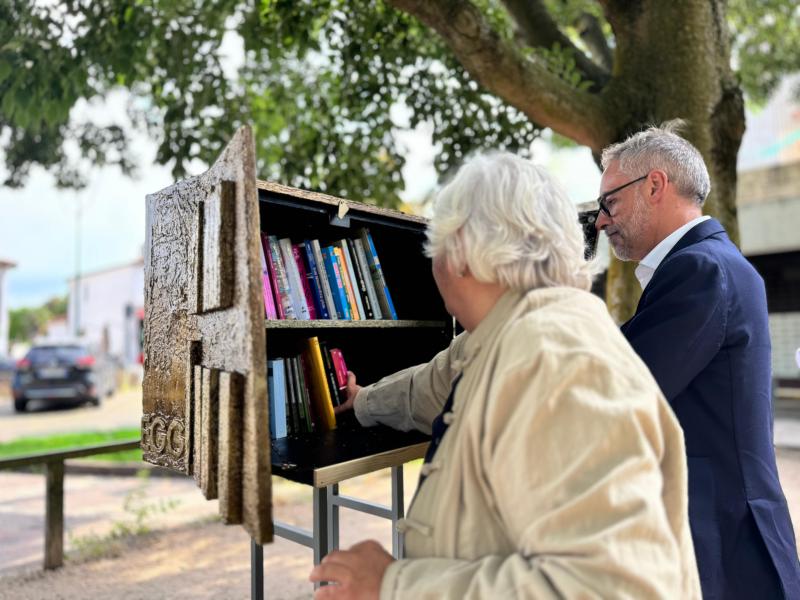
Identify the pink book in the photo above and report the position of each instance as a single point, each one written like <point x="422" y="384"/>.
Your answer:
<point x="337" y="358"/>
<point x="298" y="258"/>
<point x="269" y="300"/>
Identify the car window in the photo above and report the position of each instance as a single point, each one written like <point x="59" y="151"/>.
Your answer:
<point x="46" y="353"/>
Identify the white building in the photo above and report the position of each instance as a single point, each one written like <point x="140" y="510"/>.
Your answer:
<point x="106" y="309"/>
<point x="5" y="265"/>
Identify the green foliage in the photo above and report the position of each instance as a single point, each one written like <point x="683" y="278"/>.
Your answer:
<point x="27" y="323"/>
<point x="64" y="441"/>
<point x="328" y="84"/>
<point x="766" y="36"/>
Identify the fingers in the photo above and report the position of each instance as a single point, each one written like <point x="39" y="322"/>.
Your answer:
<point x="351" y="379"/>
<point x="330" y="570"/>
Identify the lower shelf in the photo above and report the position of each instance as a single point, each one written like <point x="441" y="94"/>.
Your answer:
<point x="348" y="451"/>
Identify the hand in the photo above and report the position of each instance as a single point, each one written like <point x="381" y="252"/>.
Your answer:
<point x="352" y="390"/>
<point x="354" y="574"/>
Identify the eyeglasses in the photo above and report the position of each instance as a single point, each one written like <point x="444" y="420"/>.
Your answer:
<point x="602" y="198"/>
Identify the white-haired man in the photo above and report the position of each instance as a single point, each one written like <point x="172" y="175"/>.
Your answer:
<point x="701" y="328"/>
<point x="556" y="468"/>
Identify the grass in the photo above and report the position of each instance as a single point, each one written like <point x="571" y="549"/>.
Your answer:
<point x="64" y="441"/>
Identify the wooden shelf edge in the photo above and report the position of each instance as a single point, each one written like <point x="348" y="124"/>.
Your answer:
<point x="326" y="476"/>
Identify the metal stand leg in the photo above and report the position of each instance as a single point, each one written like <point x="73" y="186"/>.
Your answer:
<point x="333" y="518"/>
<point x="256" y="570"/>
<point x="320" y="527"/>
<point x="398" y="511"/>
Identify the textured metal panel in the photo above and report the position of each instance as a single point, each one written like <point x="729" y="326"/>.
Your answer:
<point x="203" y="308"/>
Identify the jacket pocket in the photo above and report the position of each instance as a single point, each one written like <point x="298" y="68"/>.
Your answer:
<point x="703" y="522"/>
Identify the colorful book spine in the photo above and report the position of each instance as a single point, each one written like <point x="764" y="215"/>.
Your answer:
<point x="312" y="273"/>
<point x="348" y="287"/>
<point x="276" y="388"/>
<point x="293" y="409"/>
<point x="339" y="367"/>
<point x="325" y="284"/>
<point x="350" y="264"/>
<point x="384" y="297"/>
<point x="281" y="278"/>
<point x="330" y="374"/>
<point x="305" y="377"/>
<point x="320" y="394"/>
<point x="272" y="280"/>
<point x="266" y="285"/>
<point x="362" y="276"/>
<point x="337" y="287"/>
<point x="306" y="286"/>
<point x="295" y="285"/>
<point x="363" y="265"/>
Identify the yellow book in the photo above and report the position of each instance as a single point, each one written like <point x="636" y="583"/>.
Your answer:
<point x="318" y="388"/>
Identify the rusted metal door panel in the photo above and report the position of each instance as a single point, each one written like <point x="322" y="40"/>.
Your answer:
<point x="205" y="399"/>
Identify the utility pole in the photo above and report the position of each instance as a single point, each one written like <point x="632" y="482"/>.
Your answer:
<point x="77" y="287"/>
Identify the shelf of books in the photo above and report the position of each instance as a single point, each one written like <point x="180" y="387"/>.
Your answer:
<point x="346" y="286"/>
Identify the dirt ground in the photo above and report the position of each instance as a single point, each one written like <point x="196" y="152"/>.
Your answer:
<point x="206" y="560"/>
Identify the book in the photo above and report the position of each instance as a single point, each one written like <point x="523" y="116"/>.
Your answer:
<point x="272" y="280"/>
<point x="362" y="276"/>
<point x="303" y="416"/>
<point x="291" y="395"/>
<point x="350" y="264"/>
<point x="281" y="278"/>
<point x="266" y="285"/>
<point x="325" y="284"/>
<point x="302" y="371"/>
<point x="337" y="288"/>
<point x="348" y="287"/>
<point x="363" y="266"/>
<point x="312" y="273"/>
<point x="306" y="285"/>
<point x="330" y="374"/>
<point x="318" y="389"/>
<point x="276" y="389"/>
<point x="339" y="367"/>
<point x="382" y="290"/>
<point x="295" y="285"/>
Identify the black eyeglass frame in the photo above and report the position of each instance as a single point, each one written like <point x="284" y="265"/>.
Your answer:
<point x="601" y="199"/>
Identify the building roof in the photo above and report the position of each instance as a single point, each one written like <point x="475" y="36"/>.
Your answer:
<point x="139" y="262"/>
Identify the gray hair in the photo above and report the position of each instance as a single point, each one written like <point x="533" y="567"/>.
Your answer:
<point x="662" y="148"/>
<point x="511" y="223"/>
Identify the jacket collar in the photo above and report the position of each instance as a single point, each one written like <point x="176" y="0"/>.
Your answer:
<point x="697" y="233"/>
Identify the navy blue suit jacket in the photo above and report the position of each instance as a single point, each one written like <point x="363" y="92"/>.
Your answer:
<point x="701" y="327"/>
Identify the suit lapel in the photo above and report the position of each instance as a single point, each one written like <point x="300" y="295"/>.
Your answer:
<point x="696" y="234"/>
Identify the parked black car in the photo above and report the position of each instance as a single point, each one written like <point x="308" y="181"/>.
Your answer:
<point x="62" y="373"/>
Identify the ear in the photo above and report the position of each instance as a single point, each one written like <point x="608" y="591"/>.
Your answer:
<point x="657" y="181"/>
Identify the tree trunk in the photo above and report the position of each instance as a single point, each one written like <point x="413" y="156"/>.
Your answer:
<point x="673" y="61"/>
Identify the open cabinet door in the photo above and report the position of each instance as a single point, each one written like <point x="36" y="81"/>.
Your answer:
<point x="205" y="396"/>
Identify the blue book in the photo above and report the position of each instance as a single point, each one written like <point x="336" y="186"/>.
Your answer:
<point x="313" y="279"/>
<point x="381" y="289"/>
<point x="276" y="389"/>
<point x="337" y="285"/>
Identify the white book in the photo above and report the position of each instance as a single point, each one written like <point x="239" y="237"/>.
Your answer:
<point x="295" y="285"/>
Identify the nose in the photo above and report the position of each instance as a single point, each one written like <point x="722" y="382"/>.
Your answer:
<point x="602" y="221"/>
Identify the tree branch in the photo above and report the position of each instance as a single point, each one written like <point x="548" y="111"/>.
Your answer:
<point x="540" y="30"/>
<point x="592" y="35"/>
<point x="523" y="82"/>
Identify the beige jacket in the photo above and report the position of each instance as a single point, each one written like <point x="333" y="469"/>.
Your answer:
<point x="563" y="471"/>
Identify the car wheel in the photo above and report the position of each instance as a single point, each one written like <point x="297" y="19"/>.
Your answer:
<point x="20" y="404"/>
<point x="94" y="401"/>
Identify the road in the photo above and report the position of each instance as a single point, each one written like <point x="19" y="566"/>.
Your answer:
<point x="123" y="409"/>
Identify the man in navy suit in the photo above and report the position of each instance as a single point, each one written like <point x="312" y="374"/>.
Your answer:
<point x="701" y="327"/>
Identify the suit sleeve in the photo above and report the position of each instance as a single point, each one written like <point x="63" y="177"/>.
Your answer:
<point x="680" y="325"/>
